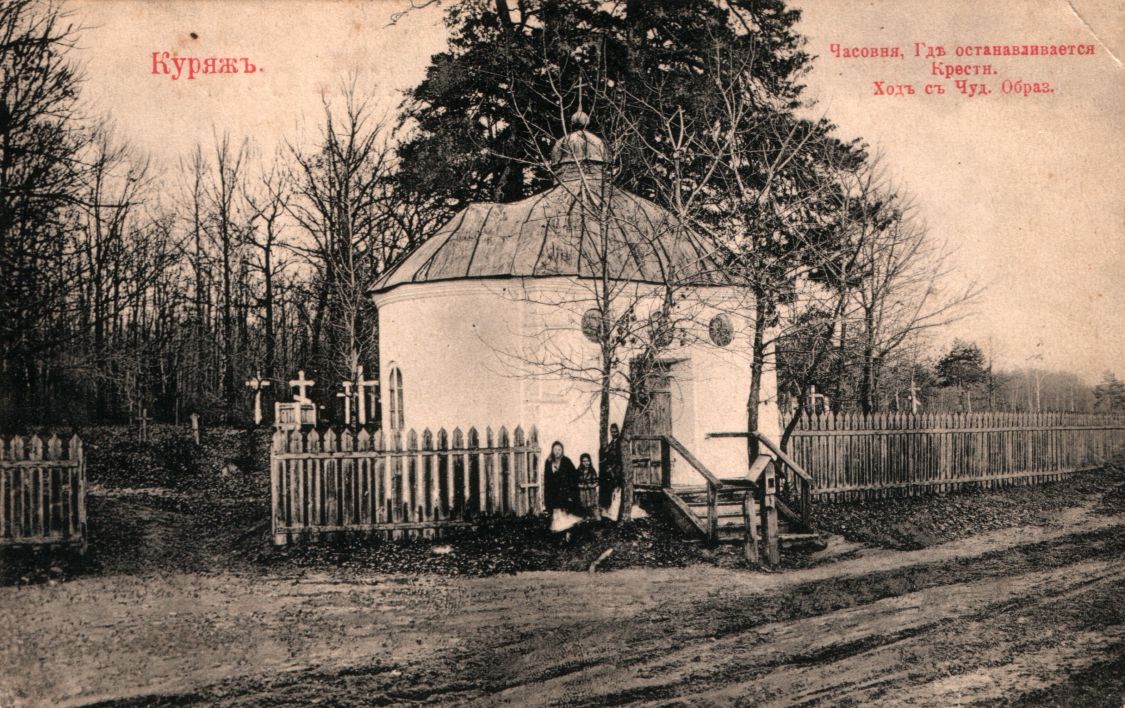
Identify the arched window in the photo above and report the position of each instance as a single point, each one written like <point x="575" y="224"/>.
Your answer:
<point x="394" y="387"/>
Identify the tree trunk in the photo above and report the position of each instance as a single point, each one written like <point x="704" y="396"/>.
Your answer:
<point x="866" y="383"/>
<point x="838" y="383"/>
<point x="757" y="364"/>
<point x="271" y="344"/>
<point x="791" y="425"/>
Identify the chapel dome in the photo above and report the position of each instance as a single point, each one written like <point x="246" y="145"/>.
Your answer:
<point x="556" y="233"/>
<point x="580" y="145"/>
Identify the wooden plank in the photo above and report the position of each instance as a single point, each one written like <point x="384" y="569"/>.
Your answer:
<point x="450" y="482"/>
<point x="789" y="461"/>
<point x="493" y="475"/>
<point x="712" y="513"/>
<point x="675" y="499"/>
<point x="769" y="518"/>
<point x="5" y="514"/>
<point x="750" y="527"/>
<point x="509" y="464"/>
<point x="694" y="462"/>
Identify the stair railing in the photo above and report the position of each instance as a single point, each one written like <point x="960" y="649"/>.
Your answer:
<point x="714" y="484"/>
<point x="797" y="477"/>
<point x="762" y="474"/>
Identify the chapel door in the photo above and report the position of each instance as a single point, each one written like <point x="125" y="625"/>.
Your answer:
<point x="649" y="413"/>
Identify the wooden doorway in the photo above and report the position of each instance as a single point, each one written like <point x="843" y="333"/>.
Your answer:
<point x="649" y="413"/>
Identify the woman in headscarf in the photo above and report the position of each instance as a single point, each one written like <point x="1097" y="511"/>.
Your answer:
<point x="588" y="486"/>
<point x="609" y="476"/>
<point x="560" y="489"/>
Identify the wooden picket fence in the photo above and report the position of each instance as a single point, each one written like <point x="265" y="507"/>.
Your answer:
<point x="396" y="485"/>
<point x="42" y="491"/>
<point x="855" y="455"/>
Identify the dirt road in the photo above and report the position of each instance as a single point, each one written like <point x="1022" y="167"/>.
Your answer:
<point x="1029" y="615"/>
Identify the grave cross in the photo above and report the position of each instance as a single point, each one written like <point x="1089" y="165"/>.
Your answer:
<point x="257" y="383"/>
<point x="346" y="394"/>
<point x="144" y="420"/>
<point x="302" y="383"/>
<point x="362" y="385"/>
<point x="817" y="398"/>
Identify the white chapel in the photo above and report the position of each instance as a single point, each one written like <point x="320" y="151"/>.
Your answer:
<point x="488" y="323"/>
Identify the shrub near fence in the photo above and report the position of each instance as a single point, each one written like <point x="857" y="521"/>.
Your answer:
<point x="394" y="485"/>
<point x="42" y="491"/>
<point x="853" y="455"/>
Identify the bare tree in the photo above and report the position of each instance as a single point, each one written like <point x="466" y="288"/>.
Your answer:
<point x="903" y="292"/>
<point x="115" y="273"/>
<point x="40" y="131"/>
<point x="268" y="206"/>
<point x="226" y="231"/>
<point x="345" y="200"/>
<point x="634" y="289"/>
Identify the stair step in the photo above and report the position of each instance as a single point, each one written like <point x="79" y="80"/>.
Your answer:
<point x="781" y="532"/>
<point x="786" y="539"/>
<point x="702" y="503"/>
<point x="702" y="508"/>
<point x="693" y="501"/>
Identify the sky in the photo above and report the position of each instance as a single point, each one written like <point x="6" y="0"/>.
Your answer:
<point x="1026" y="190"/>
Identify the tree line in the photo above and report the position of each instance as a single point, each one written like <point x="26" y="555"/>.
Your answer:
<point x="127" y="286"/>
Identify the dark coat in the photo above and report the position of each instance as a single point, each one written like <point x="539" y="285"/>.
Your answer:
<point x="588" y="490"/>
<point x="609" y="478"/>
<point x="560" y="488"/>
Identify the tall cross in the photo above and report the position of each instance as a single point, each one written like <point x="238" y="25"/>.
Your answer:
<point x="815" y="398"/>
<point x="302" y="383"/>
<point x="144" y="420"/>
<point x="346" y="394"/>
<point x="257" y="383"/>
<point x="362" y="385"/>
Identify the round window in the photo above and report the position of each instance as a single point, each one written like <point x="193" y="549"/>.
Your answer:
<point x="592" y="325"/>
<point x="721" y="330"/>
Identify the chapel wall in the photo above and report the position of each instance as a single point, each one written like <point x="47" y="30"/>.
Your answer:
<point x="478" y="353"/>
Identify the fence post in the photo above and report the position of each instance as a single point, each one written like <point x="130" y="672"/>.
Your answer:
<point x="769" y="516"/>
<point x="750" y="543"/>
<point x="508" y="472"/>
<point x="626" y="478"/>
<point x="477" y="461"/>
<point x="712" y="513"/>
<point x="534" y="470"/>
<point x="520" y="476"/>
<point x="665" y="463"/>
<point x="432" y="477"/>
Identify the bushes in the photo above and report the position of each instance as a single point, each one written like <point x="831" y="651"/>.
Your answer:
<point x="229" y="461"/>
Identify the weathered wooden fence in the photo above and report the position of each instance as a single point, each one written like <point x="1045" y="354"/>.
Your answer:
<point x="42" y="491"/>
<point x="396" y="484"/>
<point x="852" y="455"/>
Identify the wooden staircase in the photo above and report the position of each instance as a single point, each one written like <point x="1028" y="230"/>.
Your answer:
<point x="746" y="510"/>
<point x="733" y="518"/>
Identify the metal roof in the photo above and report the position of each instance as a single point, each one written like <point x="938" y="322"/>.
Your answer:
<point x="582" y="227"/>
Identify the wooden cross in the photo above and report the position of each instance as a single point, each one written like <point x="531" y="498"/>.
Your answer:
<point x="361" y="386"/>
<point x="144" y="420"/>
<point x="257" y="383"/>
<point x="346" y="394"/>
<point x="815" y="398"/>
<point x="302" y="383"/>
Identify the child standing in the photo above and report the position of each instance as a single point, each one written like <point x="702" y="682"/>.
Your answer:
<point x="588" y="486"/>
